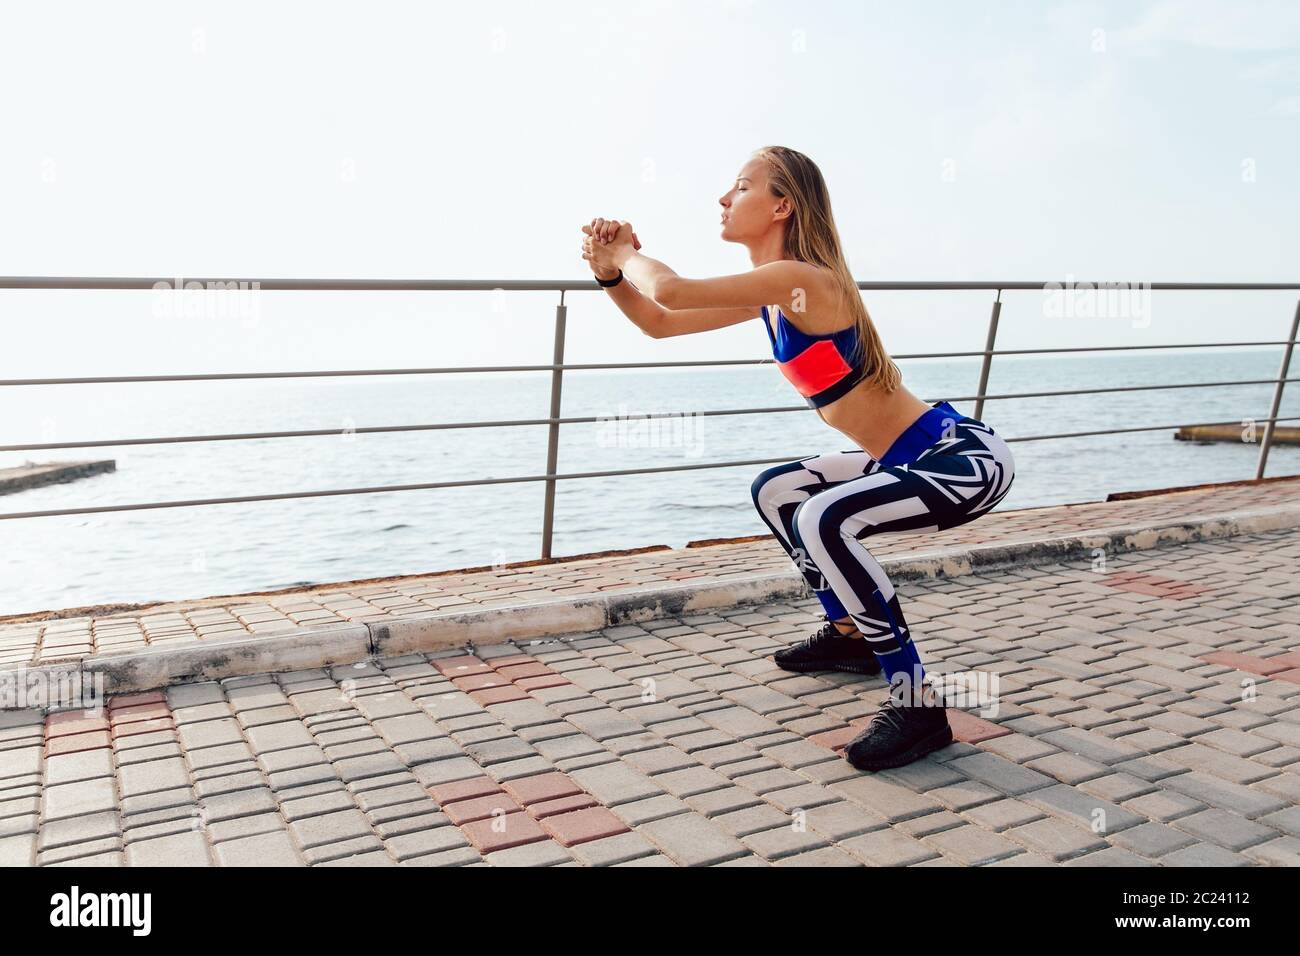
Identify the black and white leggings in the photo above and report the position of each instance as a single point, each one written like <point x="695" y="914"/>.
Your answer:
<point x="821" y="508"/>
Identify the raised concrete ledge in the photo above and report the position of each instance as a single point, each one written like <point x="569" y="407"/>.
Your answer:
<point x="350" y="643"/>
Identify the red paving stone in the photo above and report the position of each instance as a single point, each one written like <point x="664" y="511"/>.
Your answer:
<point x="835" y="739"/>
<point x="540" y="788"/>
<point x="1290" y="659"/>
<point x="511" y="660"/>
<point x="1292" y="675"/>
<point x="498" y="695"/>
<point x="1247" y="662"/>
<point x="68" y="722"/>
<point x="480" y="681"/>
<point x="579" y="801"/>
<point x="582" y="826"/>
<point x="136" y="700"/>
<point x="537" y="683"/>
<point x="516" y="671"/>
<point x="77" y="743"/>
<point x="446" y="793"/>
<point x="1153" y="585"/>
<point x="501" y="833"/>
<point x="461" y="666"/>
<point x="480" y="808"/>
<point x="971" y="729"/>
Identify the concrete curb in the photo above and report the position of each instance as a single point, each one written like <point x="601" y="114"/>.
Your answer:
<point x="351" y="643"/>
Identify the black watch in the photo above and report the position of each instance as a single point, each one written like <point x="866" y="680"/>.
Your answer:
<point x="610" y="283"/>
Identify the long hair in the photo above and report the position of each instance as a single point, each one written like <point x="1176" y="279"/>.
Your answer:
<point x="811" y="236"/>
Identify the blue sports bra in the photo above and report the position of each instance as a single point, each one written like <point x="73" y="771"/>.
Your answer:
<point x="822" y="368"/>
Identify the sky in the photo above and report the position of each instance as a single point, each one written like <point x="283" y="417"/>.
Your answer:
<point x="1026" y="141"/>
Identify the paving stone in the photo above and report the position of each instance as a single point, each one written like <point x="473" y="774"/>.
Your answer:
<point x="613" y="850"/>
<point x="1056" y="839"/>
<point x="581" y="826"/>
<point x="1228" y="830"/>
<point x="692" y="840"/>
<point x="971" y="845"/>
<point x="1249" y="802"/>
<point x="78" y="799"/>
<point x="317" y="831"/>
<point x="1204" y="855"/>
<point x="1002" y="775"/>
<point x="502" y="832"/>
<point x="1152" y="840"/>
<point x="613" y="784"/>
<point x="180" y="849"/>
<point x="264" y="849"/>
<point x="784" y="841"/>
<point x="1088" y="811"/>
<point x="887" y="847"/>
<point x="1284" y="851"/>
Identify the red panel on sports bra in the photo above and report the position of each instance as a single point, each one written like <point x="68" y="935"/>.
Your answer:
<point x="817" y="367"/>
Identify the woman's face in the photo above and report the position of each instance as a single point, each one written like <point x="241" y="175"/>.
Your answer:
<point x="748" y="206"/>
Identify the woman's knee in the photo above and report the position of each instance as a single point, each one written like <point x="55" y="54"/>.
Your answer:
<point x="762" y="487"/>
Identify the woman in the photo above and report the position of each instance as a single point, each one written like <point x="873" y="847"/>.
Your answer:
<point x="916" y="467"/>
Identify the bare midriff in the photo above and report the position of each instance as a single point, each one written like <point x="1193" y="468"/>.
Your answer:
<point x="872" y="418"/>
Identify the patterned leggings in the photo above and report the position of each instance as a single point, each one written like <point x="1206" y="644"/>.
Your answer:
<point x="820" y="509"/>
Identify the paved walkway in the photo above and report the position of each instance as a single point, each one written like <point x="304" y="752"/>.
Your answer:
<point x="1145" y="714"/>
<point x="54" y="638"/>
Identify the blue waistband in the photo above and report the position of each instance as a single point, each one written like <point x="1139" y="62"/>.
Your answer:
<point x="921" y="434"/>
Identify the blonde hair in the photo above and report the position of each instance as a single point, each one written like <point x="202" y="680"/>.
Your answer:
<point x="811" y="237"/>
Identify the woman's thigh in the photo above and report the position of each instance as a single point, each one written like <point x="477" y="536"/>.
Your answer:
<point x="796" y="481"/>
<point x="954" y="481"/>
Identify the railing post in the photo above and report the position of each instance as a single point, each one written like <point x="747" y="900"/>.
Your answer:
<point x="553" y="430"/>
<point x="988" y="356"/>
<point x="1277" y="394"/>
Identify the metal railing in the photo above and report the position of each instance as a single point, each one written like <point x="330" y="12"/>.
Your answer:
<point x="558" y="367"/>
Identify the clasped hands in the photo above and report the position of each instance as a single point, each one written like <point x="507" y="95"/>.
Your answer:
<point x="606" y="245"/>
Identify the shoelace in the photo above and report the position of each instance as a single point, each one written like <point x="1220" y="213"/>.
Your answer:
<point x="827" y="631"/>
<point x="890" y="713"/>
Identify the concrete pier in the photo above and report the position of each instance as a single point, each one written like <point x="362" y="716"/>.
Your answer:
<point x="34" y="475"/>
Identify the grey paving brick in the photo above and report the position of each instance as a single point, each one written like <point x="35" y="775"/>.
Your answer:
<point x="690" y="839"/>
<point x="1250" y="802"/>
<point x="970" y="845"/>
<point x="1086" y="810"/>
<point x="613" y="784"/>
<point x="1002" y="775"/>
<point x="783" y="841"/>
<point x="1152" y="840"/>
<point x="78" y="799"/>
<point x="1203" y="855"/>
<point x="887" y="847"/>
<point x="336" y="827"/>
<point x="1056" y="839"/>
<point x="1226" y="829"/>
<point x="611" y="851"/>
<point x="179" y="849"/>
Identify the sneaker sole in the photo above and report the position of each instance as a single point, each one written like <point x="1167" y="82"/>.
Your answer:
<point x="936" y="741"/>
<point x="851" y="667"/>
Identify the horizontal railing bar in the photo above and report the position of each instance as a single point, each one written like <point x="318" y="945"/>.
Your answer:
<point x="566" y="285"/>
<point x="579" y="420"/>
<point x="585" y="366"/>
<point x="475" y="482"/>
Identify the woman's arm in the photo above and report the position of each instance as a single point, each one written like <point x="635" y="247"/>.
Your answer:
<point x="789" y="283"/>
<point x="660" y="323"/>
<point x="795" y="286"/>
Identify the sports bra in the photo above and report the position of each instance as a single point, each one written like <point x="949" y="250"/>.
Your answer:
<point x="821" y="367"/>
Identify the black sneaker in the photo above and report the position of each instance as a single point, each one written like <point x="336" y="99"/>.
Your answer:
<point x="829" y="650"/>
<point x="898" y="734"/>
